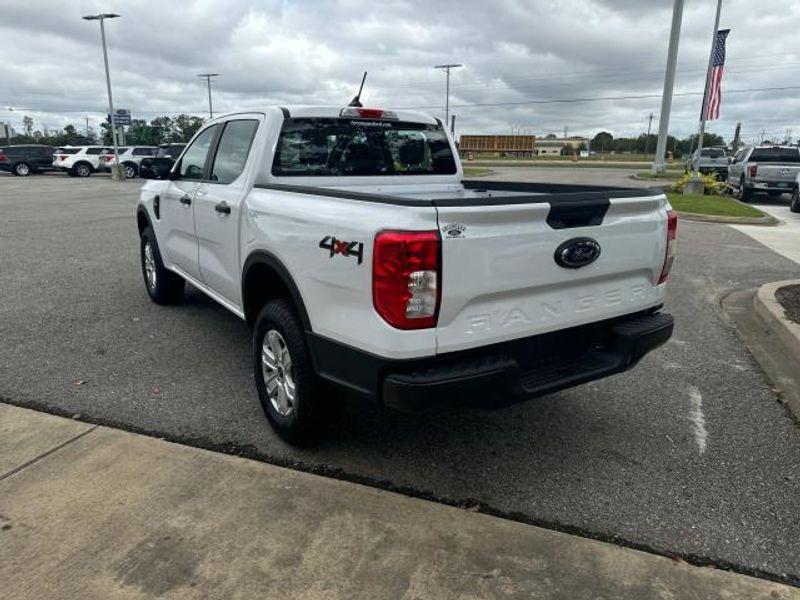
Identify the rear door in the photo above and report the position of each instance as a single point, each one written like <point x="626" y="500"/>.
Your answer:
<point x="502" y="277"/>
<point x="217" y="209"/>
<point x="178" y="238"/>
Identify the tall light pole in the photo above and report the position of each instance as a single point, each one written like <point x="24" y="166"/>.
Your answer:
<point x="669" y="83"/>
<point x="446" y="69"/>
<point x="207" y="77"/>
<point x="102" y="17"/>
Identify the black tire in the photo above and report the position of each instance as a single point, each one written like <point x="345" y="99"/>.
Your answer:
<point x="82" y="169"/>
<point x="130" y="170"/>
<point x="745" y="193"/>
<point x="163" y="286"/>
<point x="314" y="403"/>
<point x="22" y="169"/>
<point x="794" y="205"/>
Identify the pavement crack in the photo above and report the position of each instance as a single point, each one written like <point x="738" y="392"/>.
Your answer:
<point x="45" y="454"/>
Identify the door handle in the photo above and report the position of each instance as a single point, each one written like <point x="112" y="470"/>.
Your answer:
<point x="186" y="200"/>
<point x="223" y="208"/>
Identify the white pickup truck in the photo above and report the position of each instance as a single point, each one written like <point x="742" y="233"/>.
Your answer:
<point x="349" y="242"/>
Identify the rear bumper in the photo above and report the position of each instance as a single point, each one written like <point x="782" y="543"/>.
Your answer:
<point x="497" y="375"/>
<point x="772" y="186"/>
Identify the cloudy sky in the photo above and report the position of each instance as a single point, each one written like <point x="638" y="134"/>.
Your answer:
<point x="526" y="62"/>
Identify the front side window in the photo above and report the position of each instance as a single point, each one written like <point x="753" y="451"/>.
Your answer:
<point x="234" y="146"/>
<point x="341" y="147"/>
<point x="194" y="160"/>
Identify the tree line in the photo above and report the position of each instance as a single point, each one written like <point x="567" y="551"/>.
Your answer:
<point x="161" y="130"/>
<point x="604" y="142"/>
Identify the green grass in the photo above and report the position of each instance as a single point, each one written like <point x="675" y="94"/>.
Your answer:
<point x="476" y="171"/>
<point x="665" y="175"/>
<point x="712" y="205"/>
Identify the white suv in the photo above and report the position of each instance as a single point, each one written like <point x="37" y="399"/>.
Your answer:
<point x="131" y="159"/>
<point x="82" y="161"/>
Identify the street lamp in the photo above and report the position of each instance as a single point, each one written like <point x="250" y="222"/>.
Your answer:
<point x="102" y="17"/>
<point x="446" y="69"/>
<point x="208" y="77"/>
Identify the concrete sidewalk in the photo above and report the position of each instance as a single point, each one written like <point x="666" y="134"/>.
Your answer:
<point x="93" y="512"/>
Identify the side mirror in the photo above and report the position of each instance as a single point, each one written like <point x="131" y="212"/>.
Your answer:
<point x="157" y="168"/>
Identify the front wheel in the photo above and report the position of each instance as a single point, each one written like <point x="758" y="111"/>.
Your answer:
<point x="163" y="286"/>
<point x="296" y="402"/>
<point x="794" y="205"/>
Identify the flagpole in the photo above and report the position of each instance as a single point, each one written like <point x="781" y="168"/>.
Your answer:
<point x="703" y="114"/>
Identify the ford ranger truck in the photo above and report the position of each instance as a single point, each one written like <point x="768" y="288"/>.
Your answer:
<point x="770" y="169"/>
<point x="363" y="261"/>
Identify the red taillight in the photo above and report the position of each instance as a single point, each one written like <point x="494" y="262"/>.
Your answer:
<point x="62" y="157"/>
<point x="370" y="113"/>
<point x="753" y="169"/>
<point x="109" y="158"/>
<point x="406" y="278"/>
<point x="669" y="255"/>
<point x="3" y="157"/>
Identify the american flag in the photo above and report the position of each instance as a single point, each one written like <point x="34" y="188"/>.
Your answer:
<point x="717" y="63"/>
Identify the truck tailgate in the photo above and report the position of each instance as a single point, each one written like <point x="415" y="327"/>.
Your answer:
<point x="777" y="173"/>
<point x="501" y="281"/>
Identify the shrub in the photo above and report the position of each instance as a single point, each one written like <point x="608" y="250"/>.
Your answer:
<point x="713" y="186"/>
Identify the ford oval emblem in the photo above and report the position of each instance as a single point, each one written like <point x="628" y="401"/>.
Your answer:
<point x="577" y="253"/>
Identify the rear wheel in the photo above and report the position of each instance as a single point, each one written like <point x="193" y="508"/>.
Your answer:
<point x="745" y="193"/>
<point x="82" y="169"/>
<point x="295" y="401"/>
<point x="163" y="286"/>
<point x="22" y="169"/>
<point x="130" y="170"/>
<point x="794" y="206"/>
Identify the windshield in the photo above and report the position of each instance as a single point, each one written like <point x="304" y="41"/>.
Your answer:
<point x="352" y="147"/>
<point x="779" y="155"/>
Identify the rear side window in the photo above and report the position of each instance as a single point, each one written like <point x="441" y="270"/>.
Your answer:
<point x="357" y="147"/>
<point x="781" y="155"/>
<point x="234" y="146"/>
<point x="194" y="161"/>
<point x="94" y="151"/>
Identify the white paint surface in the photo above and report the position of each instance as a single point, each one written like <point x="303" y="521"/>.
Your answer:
<point x="783" y="239"/>
<point x="697" y="418"/>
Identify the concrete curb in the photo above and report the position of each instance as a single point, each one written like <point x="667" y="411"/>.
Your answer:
<point x="772" y="315"/>
<point x="770" y="310"/>
<point x="765" y="221"/>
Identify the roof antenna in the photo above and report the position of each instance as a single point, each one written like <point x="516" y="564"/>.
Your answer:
<point x="356" y="101"/>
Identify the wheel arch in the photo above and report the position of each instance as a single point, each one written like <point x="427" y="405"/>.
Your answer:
<point x="142" y="219"/>
<point x="265" y="278"/>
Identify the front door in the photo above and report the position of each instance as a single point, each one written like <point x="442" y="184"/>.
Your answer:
<point x="218" y="204"/>
<point x="179" y="240"/>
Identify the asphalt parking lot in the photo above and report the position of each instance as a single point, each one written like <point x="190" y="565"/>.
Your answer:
<point x="690" y="454"/>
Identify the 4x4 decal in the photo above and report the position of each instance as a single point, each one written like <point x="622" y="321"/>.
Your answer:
<point x="334" y="246"/>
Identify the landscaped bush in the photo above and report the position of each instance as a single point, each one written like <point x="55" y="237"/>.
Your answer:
<point x="713" y="186"/>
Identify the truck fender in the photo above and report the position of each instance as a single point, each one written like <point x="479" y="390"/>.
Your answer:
<point x="277" y="279"/>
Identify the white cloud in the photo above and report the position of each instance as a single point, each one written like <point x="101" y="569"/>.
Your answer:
<point x="314" y="52"/>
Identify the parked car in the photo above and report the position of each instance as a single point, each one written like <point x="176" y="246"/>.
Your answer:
<point x="712" y="160"/>
<point x="24" y="159"/>
<point x="169" y="151"/>
<point x="82" y="161"/>
<point x="771" y="169"/>
<point x="131" y="158"/>
<point x="348" y="240"/>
